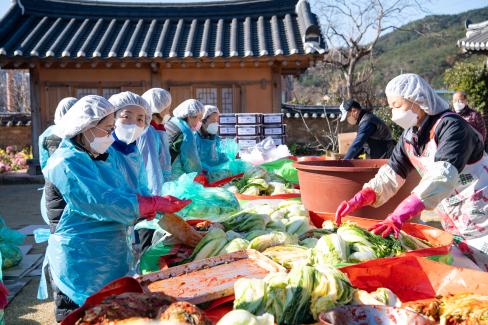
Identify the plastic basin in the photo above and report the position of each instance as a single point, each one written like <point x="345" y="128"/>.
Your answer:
<point x="324" y="184"/>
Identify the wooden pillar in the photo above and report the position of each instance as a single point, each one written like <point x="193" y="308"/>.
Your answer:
<point x="35" y="89"/>
<point x="276" y="88"/>
<point x="155" y="75"/>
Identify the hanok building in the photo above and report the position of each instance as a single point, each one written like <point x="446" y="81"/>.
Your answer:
<point x="233" y="54"/>
<point x="476" y="40"/>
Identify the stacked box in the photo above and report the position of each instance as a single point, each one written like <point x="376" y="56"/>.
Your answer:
<point x="274" y="118"/>
<point x="247" y="142"/>
<point x="249" y="118"/>
<point x="227" y="125"/>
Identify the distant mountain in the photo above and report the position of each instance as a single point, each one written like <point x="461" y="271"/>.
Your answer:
<point x="426" y="46"/>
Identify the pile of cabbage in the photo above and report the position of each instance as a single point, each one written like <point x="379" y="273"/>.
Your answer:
<point x="346" y="244"/>
<point x="258" y="228"/>
<point x="296" y="297"/>
<point x="257" y="181"/>
<point x="283" y="233"/>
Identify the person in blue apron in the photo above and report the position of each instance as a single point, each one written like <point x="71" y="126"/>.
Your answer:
<point x="371" y="131"/>
<point x="49" y="142"/>
<point x="208" y="140"/>
<point x="89" y="207"/>
<point x="449" y="156"/>
<point x="154" y="147"/>
<point x="182" y="128"/>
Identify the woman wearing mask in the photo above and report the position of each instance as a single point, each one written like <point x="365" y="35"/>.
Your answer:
<point x="182" y="128"/>
<point x="89" y="207"/>
<point x="132" y="117"/>
<point x="49" y="142"/>
<point x="448" y="155"/>
<point x="208" y="140"/>
<point x="154" y="147"/>
<point x="153" y="143"/>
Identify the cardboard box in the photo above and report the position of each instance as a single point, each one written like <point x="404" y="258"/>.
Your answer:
<point x="227" y="130"/>
<point x="228" y="119"/>
<point x="345" y="141"/>
<point x="247" y="142"/>
<point x="274" y="130"/>
<point x="248" y="130"/>
<point x="249" y="118"/>
<point x="279" y="140"/>
<point x="274" y="118"/>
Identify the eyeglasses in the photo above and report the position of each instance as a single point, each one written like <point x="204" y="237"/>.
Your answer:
<point x="108" y="133"/>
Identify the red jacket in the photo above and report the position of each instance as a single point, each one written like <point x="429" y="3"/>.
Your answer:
<point x="475" y="119"/>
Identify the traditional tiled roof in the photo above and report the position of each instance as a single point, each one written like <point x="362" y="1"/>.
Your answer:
<point x="85" y="29"/>
<point x="310" y="111"/>
<point x="476" y="37"/>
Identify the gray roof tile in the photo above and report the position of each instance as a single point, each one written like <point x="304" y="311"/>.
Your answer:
<point x="238" y="28"/>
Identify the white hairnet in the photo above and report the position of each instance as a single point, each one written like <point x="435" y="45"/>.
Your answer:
<point x="128" y="98"/>
<point x="189" y="108"/>
<point x="85" y="114"/>
<point x="63" y="106"/>
<point x="209" y="110"/>
<point x="158" y="99"/>
<point x="414" y="88"/>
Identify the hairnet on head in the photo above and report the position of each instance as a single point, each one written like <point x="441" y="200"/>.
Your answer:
<point x="158" y="99"/>
<point x="63" y="106"/>
<point x="414" y="88"/>
<point x="127" y="98"/>
<point x="189" y="108"/>
<point x="85" y="114"/>
<point x="209" y="110"/>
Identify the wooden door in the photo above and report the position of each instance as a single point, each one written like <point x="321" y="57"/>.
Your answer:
<point x="179" y="94"/>
<point x="53" y="94"/>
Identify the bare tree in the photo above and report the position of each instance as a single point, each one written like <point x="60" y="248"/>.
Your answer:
<point x="353" y="28"/>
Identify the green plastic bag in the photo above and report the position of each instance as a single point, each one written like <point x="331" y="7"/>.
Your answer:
<point x="149" y="261"/>
<point x="232" y="167"/>
<point x="209" y="203"/>
<point x="10" y="240"/>
<point x="283" y="168"/>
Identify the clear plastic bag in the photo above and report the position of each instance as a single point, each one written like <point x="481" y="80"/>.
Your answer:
<point x="265" y="151"/>
<point x="210" y="203"/>
<point x="10" y="240"/>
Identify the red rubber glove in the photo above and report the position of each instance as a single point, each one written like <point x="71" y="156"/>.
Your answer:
<point x="363" y="198"/>
<point x="3" y="296"/>
<point x="409" y="208"/>
<point x="150" y="205"/>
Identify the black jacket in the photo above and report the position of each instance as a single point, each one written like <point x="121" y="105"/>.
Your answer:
<point x="373" y="131"/>
<point x="457" y="143"/>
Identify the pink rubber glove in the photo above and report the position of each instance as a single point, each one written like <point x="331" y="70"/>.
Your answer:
<point x="409" y="208"/>
<point x="363" y="198"/>
<point x="150" y="205"/>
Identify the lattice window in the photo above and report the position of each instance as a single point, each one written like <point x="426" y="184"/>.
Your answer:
<point x="208" y="96"/>
<point x="227" y="100"/>
<point x="107" y="92"/>
<point x="222" y="97"/>
<point x="81" y="92"/>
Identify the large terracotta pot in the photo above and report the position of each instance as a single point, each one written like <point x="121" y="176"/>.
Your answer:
<point x="324" y="184"/>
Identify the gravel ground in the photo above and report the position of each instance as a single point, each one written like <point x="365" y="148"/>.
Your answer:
<point x="19" y="206"/>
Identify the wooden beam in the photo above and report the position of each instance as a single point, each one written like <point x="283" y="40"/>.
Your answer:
<point x="35" y="90"/>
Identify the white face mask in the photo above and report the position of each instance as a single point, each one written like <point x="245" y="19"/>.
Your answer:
<point x="458" y="106"/>
<point x="213" y="128"/>
<point x="127" y="133"/>
<point x="100" y="145"/>
<point x="405" y="119"/>
<point x="166" y="118"/>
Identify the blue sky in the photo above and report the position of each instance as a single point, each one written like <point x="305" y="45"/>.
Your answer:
<point x="432" y="6"/>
